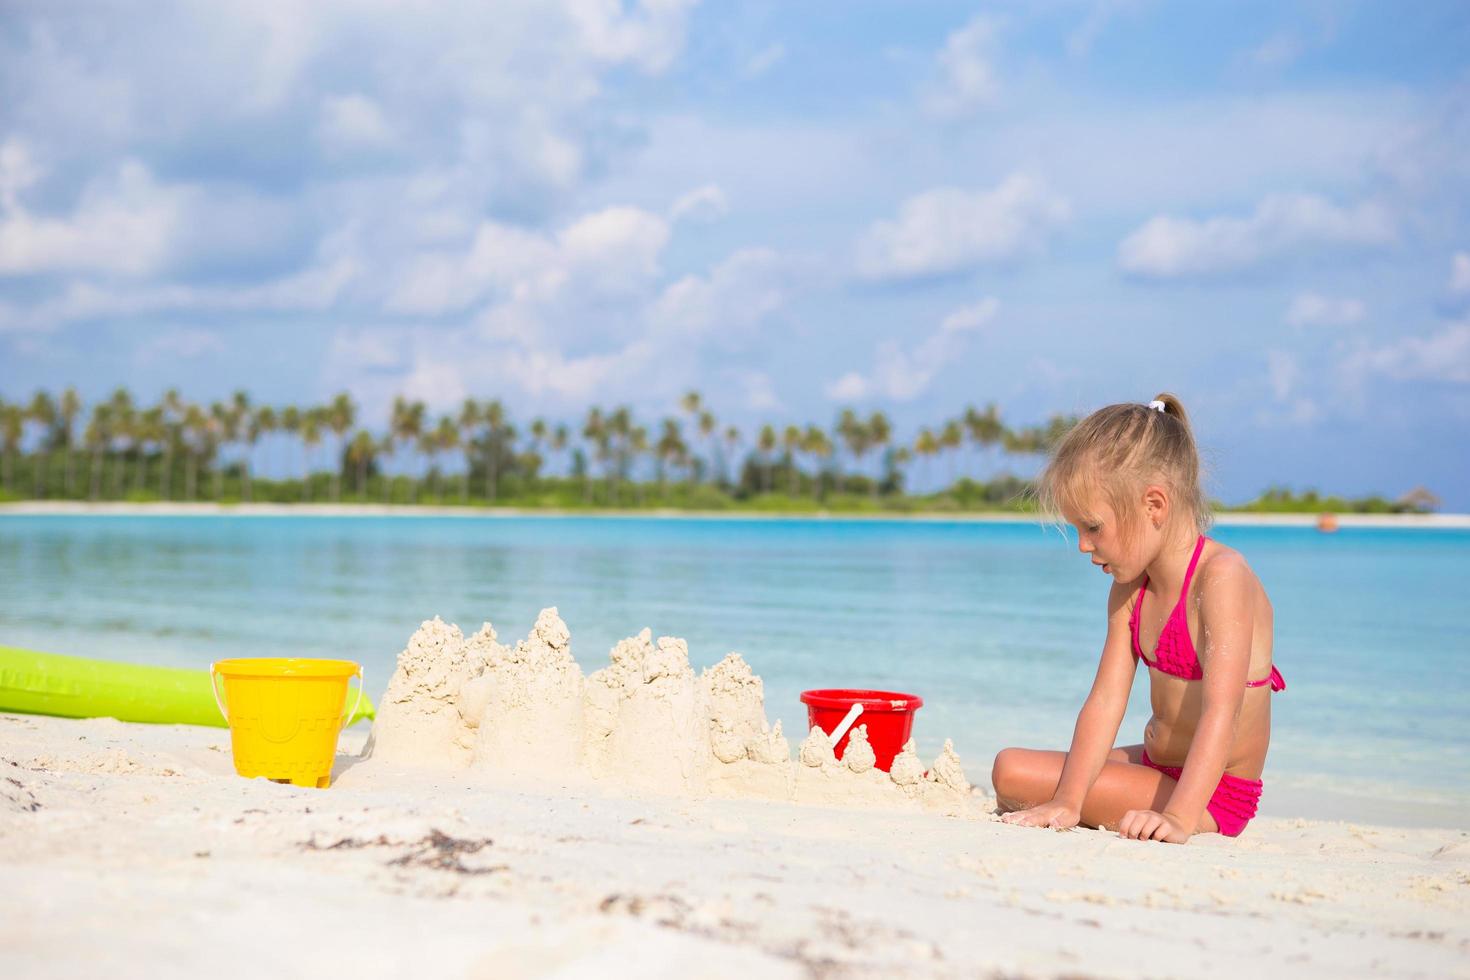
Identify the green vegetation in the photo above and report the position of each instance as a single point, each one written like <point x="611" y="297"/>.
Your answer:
<point x="55" y="448"/>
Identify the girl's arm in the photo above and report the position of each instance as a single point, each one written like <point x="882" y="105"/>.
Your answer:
<point x="1226" y="617"/>
<point x="1107" y="702"/>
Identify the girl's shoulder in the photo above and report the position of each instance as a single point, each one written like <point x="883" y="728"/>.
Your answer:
<point x="1222" y="568"/>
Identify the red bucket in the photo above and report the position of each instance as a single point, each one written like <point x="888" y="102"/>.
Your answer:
<point x="888" y="715"/>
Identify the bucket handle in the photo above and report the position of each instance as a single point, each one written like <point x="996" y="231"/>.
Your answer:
<point x="214" y="689"/>
<point x="361" y="683"/>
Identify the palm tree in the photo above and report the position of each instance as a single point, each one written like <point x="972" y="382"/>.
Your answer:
<point x="732" y="443"/>
<point x="360" y="453"/>
<point x="951" y="437"/>
<point x="926" y="447"/>
<point x="196" y="431"/>
<point x="693" y="404"/>
<point x="446" y="439"/>
<point x="407" y="425"/>
<point x="594" y="430"/>
<point x="638" y="445"/>
<point x="341" y="416"/>
<point x="42" y="411"/>
<point x="152" y="432"/>
<point x="766" y="444"/>
<point x="707" y="429"/>
<point x="560" y="439"/>
<point x="496" y="432"/>
<point x="879" y="432"/>
<point x="263" y="421"/>
<point x="123" y="418"/>
<point x="668" y="450"/>
<point x="816" y="443"/>
<point x="791" y="441"/>
<point x="219" y="430"/>
<point x="853" y="434"/>
<point x="985" y="429"/>
<point x="312" y="423"/>
<point x="12" y="430"/>
<point x="538" y="436"/>
<point x="97" y="436"/>
<point x="470" y="417"/>
<point x="619" y="430"/>
<point x="290" y="423"/>
<point x="70" y="408"/>
<point x="173" y="413"/>
<point x="239" y="421"/>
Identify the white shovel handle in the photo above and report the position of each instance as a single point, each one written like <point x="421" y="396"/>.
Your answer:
<point x="846" y="723"/>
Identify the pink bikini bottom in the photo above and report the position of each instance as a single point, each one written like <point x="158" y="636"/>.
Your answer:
<point x="1233" y="803"/>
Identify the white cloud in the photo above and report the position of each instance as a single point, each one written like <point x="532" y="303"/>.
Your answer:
<point x="764" y="60"/>
<point x="759" y="391"/>
<point x="123" y="224"/>
<point x="352" y="122"/>
<point x="742" y="290"/>
<point x="17" y="172"/>
<point x="851" y="387"/>
<point x="179" y="345"/>
<point x="1314" y="309"/>
<point x="649" y="35"/>
<point x="903" y="375"/>
<point x="1443" y="356"/>
<point x="948" y="230"/>
<point x="705" y="203"/>
<point x="971" y="317"/>
<point x="615" y="250"/>
<point x="1460" y="273"/>
<point x="1277" y="51"/>
<point x="965" y="74"/>
<point x="1282" y="370"/>
<point x="1080" y="41"/>
<point x="1167" y="247"/>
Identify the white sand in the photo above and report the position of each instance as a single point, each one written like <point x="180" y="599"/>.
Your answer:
<point x="133" y="850"/>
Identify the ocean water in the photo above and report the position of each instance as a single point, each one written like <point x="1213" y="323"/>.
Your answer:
<point x="996" y="626"/>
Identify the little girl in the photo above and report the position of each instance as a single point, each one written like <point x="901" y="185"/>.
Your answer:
<point x="1127" y="478"/>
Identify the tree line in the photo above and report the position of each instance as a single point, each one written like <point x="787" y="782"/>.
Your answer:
<point x="56" y="446"/>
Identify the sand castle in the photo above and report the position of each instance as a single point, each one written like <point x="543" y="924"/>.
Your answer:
<point x="644" y="722"/>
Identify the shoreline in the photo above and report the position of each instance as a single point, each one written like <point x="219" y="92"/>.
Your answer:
<point x="118" y="509"/>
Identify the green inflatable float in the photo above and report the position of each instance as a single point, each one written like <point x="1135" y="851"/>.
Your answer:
<point x="76" y="687"/>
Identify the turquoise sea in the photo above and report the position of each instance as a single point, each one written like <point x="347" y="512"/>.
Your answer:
<point x="996" y="626"/>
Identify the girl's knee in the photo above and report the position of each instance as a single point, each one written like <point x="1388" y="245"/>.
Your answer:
<point x="1007" y="770"/>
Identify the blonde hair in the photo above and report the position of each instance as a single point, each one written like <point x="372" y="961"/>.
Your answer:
<point x="1117" y="451"/>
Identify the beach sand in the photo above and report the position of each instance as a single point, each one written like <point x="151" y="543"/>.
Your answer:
<point x="131" y="850"/>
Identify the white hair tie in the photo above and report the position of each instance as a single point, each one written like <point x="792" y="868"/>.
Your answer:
<point x="1156" y="405"/>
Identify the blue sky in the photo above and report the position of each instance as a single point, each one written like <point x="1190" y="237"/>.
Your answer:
<point x="1264" y="207"/>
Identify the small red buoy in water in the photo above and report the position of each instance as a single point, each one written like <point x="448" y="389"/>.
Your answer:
<point x="1327" y="523"/>
<point x="889" y="716"/>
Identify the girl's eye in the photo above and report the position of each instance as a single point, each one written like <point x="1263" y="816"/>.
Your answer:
<point x="1094" y="528"/>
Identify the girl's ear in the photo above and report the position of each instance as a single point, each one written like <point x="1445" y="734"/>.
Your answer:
<point x="1156" y="505"/>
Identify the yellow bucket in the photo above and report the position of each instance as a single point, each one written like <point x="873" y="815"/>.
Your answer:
<point x="284" y="715"/>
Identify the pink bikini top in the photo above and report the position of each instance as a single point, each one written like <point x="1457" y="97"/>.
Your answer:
<point x="1174" y="654"/>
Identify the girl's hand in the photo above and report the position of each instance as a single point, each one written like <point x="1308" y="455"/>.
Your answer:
<point x="1054" y="815"/>
<point x="1152" y="825"/>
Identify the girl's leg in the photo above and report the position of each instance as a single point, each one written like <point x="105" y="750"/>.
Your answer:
<point x="1027" y="777"/>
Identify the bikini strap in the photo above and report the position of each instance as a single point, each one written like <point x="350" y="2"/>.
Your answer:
<point x="1199" y="547"/>
<point x="1133" y="620"/>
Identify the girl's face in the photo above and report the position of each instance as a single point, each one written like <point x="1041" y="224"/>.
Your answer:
<point x="1100" y="538"/>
